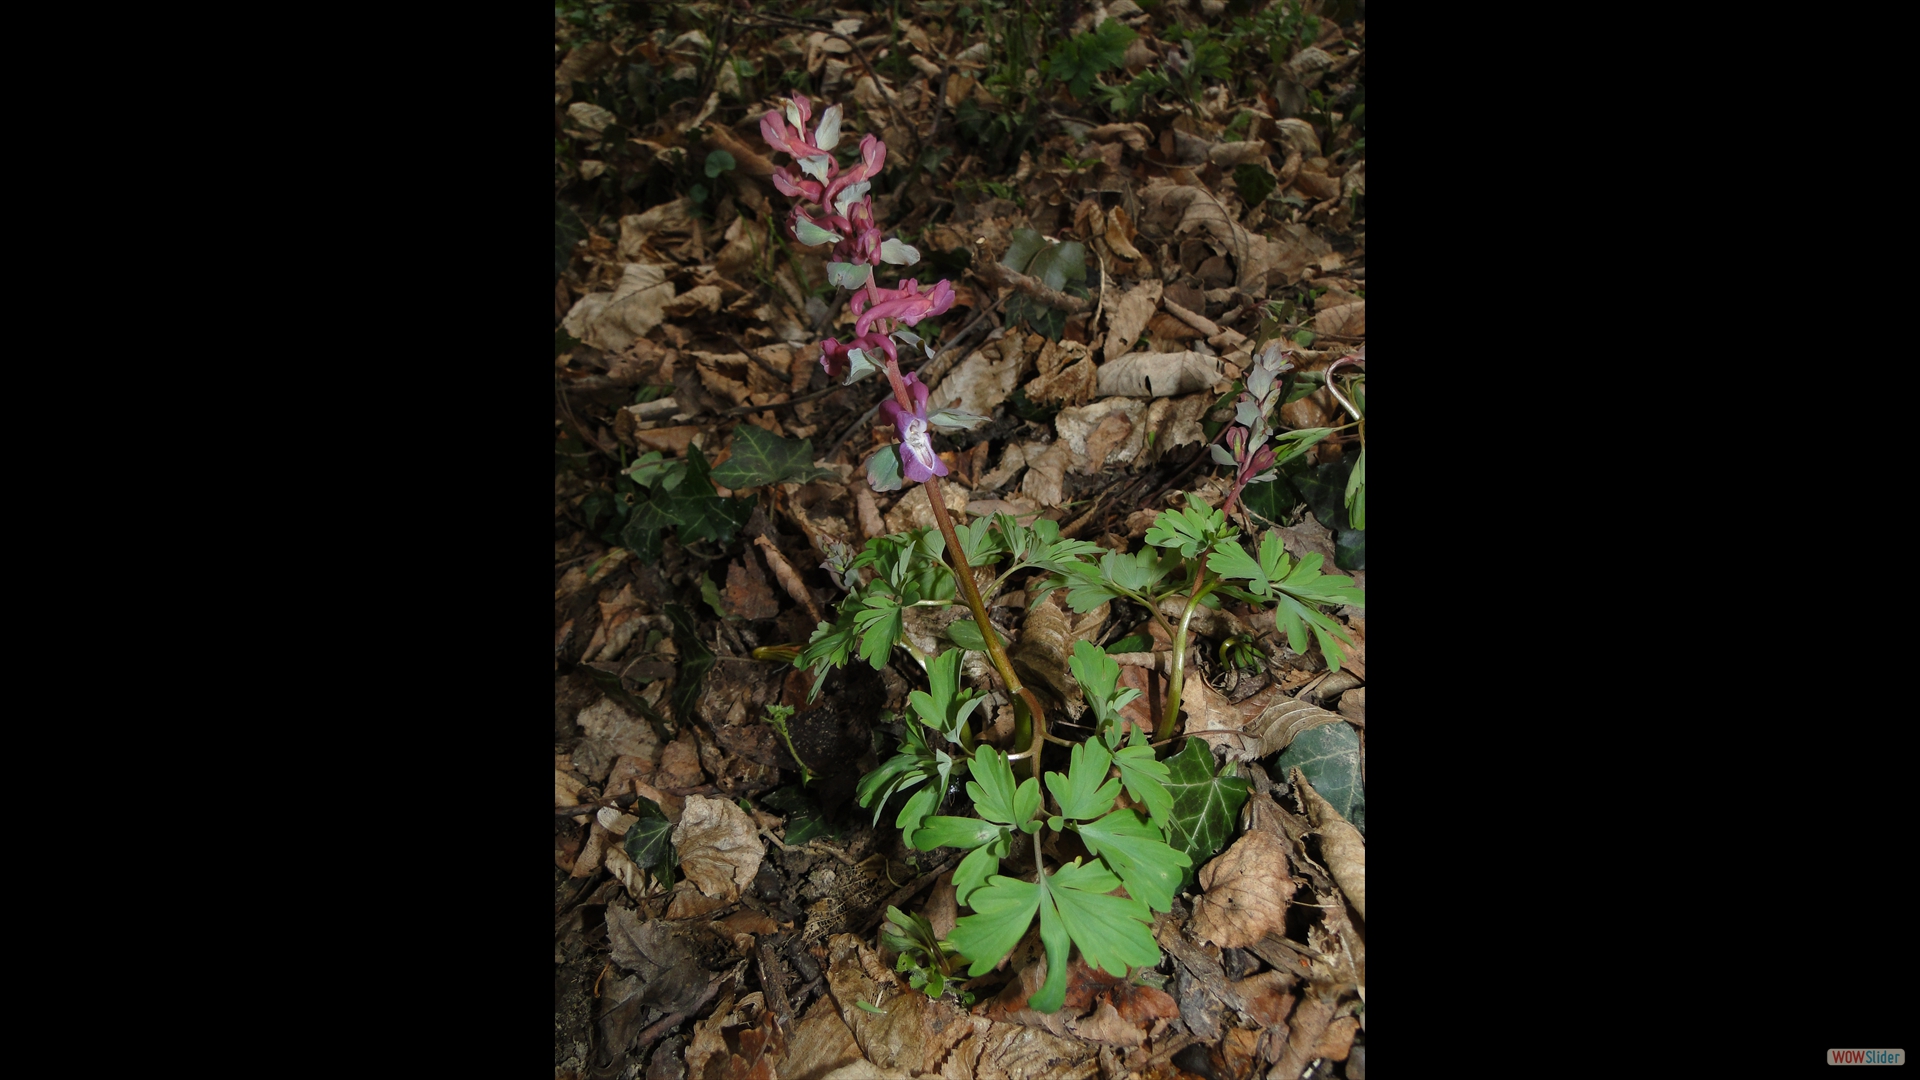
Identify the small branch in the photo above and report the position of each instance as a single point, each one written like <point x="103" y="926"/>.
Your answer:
<point x="995" y="274"/>
<point x="789" y="580"/>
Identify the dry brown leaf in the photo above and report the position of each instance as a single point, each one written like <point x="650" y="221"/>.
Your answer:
<point x="981" y="382"/>
<point x="747" y="594"/>
<point x="1046" y="473"/>
<point x="1065" y="374"/>
<point x="1105" y="1025"/>
<point x="1342" y="847"/>
<point x="1347" y="320"/>
<point x="1247" y="890"/>
<point x="1175" y="422"/>
<point x="623" y="734"/>
<point x="665" y="960"/>
<point x="638" y="230"/>
<point x="680" y="763"/>
<point x="1046" y="642"/>
<point x="1128" y="314"/>
<point x="1110" y="433"/>
<point x="701" y="299"/>
<point x="1353" y="705"/>
<point x="1220" y="722"/>
<point x="915" y="510"/>
<point x="1160" y="375"/>
<point x="821" y="1043"/>
<point x="1266" y="996"/>
<point x="1120" y="231"/>
<point x="1284" y="721"/>
<point x="719" y="848"/>
<point x="613" y="321"/>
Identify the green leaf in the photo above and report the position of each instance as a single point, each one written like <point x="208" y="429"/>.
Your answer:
<point x="1077" y="60"/>
<point x="1145" y="777"/>
<point x="1085" y="792"/>
<point x="697" y="510"/>
<point x="1204" y="805"/>
<point x="719" y="161"/>
<point x="965" y="833"/>
<point x="1113" y="932"/>
<point x="994" y="794"/>
<point x="1329" y="757"/>
<point x="695" y="659"/>
<point x="1002" y="911"/>
<point x="965" y="633"/>
<point x="1191" y="531"/>
<point x="1135" y="850"/>
<point x="648" y="841"/>
<point x="1254" y="182"/>
<point x="805" y="231"/>
<point x="848" y="275"/>
<point x="944" y="706"/>
<point x="1357" y="492"/>
<point x="880" y="624"/>
<point x="884" y="470"/>
<point x="760" y="457"/>
<point x="805" y="819"/>
<point x="1232" y="562"/>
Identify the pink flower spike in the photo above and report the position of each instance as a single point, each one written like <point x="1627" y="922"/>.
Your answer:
<point x="909" y="305"/>
<point x="917" y="459"/>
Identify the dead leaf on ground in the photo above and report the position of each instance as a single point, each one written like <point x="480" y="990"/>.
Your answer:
<point x="1108" y="434"/>
<point x="719" y="848"/>
<point x="1342" y="847"/>
<point x="1128" y="314"/>
<point x="666" y="962"/>
<point x="1247" y="890"/>
<point x="748" y="595"/>
<point x="1160" y="375"/>
<point x="613" y="321"/>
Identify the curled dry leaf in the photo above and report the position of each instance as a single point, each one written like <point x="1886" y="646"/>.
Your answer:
<point x="1128" y="315"/>
<point x="1280" y="723"/>
<point x="719" y="848"/>
<point x="1107" y="434"/>
<point x="1247" y="890"/>
<point x="665" y="961"/>
<point x="613" y="321"/>
<point x="1160" y="375"/>
<point x="1341" y="846"/>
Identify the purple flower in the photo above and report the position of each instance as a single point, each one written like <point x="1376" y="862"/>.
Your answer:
<point x="917" y="459"/>
<point x="908" y="304"/>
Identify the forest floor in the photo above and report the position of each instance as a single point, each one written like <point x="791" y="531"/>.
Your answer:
<point x="1134" y="202"/>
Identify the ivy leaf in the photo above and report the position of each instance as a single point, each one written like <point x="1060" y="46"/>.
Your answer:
<point x="1204" y="805"/>
<point x="1085" y="792"/>
<point x="1329" y="757"/>
<point x="1135" y="850"/>
<point x="649" y="840"/>
<point x="699" y="512"/>
<point x="760" y="457"/>
<point x="695" y="659"/>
